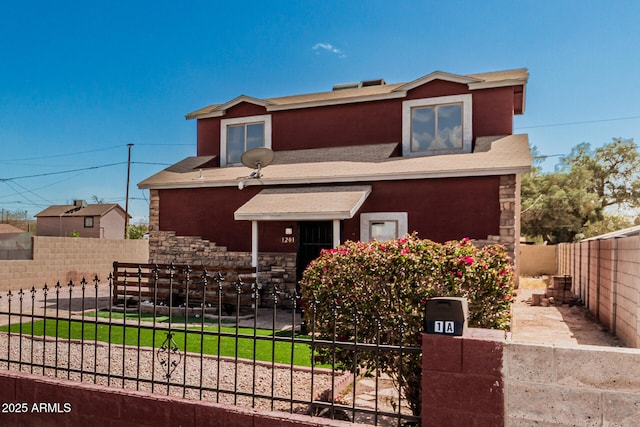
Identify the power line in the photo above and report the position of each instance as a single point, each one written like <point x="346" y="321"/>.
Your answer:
<point x="578" y="123"/>
<point x="61" y="172"/>
<point x="64" y="155"/>
<point x="86" y="152"/>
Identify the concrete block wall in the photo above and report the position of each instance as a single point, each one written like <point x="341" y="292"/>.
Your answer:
<point x="536" y="260"/>
<point x="571" y="386"/>
<point x="606" y="276"/>
<point x="627" y="325"/>
<point x="485" y="379"/>
<point x="605" y="283"/>
<point x="592" y="277"/>
<point x="67" y="258"/>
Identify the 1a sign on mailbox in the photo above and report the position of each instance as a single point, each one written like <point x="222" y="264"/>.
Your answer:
<point x="447" y="316"/>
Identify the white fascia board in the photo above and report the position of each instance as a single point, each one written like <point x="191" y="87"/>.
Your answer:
<point x="289" y="216"/>
<point x="500" y="83"/>
<point x="462" y="173"/>
<point x="437" y="75"/>
<point x="221" y="109"/>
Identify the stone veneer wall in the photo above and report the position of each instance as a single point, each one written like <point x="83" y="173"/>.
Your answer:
<point x="509" y="236"/>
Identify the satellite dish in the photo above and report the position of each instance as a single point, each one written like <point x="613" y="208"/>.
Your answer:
<point x="257" y="158"/>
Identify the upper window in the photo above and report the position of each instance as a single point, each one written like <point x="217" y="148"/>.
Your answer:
<point x="242" y="134"/>
<point x="439" y="125"/>
<point x="88" y="222"/>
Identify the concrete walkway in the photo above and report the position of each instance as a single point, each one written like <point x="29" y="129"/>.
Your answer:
<point x="555" y="324"/>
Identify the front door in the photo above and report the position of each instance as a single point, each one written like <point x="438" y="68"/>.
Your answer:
<point x="313" y="236"/>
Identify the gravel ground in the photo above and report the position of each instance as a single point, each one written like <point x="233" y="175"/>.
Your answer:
<point x="105" y="366"/>
<point x="234" y="379"/>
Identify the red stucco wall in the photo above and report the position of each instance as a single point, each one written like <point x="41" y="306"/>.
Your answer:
<point x="439" y="209"/>
<point x="69" y="403"/>
<point x="364" y="122"/>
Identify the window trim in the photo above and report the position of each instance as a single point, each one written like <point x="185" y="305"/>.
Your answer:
<point x="467" y="123"/>
<point x="225" y="123"/>
<point x="401" y="218"/>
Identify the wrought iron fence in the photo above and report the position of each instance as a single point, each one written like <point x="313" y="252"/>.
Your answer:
<point x="260" y="357"/>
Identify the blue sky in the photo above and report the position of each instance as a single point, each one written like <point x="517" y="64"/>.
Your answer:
<point x="81" y="80"/>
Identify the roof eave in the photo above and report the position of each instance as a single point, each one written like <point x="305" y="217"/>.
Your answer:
<point x="220" y="109"/>
<point x="461" y="173"/>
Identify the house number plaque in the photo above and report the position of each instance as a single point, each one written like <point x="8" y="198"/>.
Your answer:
<point x="288" y="239"/>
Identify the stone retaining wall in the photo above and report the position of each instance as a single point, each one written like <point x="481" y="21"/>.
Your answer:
<point x="275" y="269"/>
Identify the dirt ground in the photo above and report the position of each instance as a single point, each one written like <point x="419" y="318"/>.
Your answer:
<point x="555" y="324"/>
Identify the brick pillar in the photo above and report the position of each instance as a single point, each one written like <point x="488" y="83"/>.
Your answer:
<point x="462" y="382"/>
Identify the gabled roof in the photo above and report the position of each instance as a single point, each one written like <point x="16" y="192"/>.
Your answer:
<point x="491" y="156"/>
<point x="517" y="77"/>
<point x="98" y="209"/>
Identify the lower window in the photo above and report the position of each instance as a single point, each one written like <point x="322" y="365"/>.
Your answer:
<point x="383" y="226"/>
<point x="88" y="222"/>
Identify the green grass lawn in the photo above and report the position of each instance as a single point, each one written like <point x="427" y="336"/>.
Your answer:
<point x="191" y="337"/>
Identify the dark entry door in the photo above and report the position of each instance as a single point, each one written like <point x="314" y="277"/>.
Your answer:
<point x="313" y="236"/>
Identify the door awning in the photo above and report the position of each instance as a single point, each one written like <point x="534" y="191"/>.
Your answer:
<point x="304" y="204"/>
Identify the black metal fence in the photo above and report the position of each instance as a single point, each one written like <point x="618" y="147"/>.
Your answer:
<point x="261" y="357"/>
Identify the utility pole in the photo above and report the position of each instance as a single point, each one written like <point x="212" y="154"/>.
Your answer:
<point x="126" y="209"/>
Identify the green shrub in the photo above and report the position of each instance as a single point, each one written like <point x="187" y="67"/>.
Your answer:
<point x="383" y="288"/>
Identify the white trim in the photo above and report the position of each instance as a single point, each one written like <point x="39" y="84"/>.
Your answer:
<point x="462" y="173"/>
<point x="254" y="244"/>
<point x="224" y="123"/>
<point x="467" y="122"/>
<point x="336" y="233"/>
<point x="221" y="109"/>
<point x="496" y="84"/>
<point x="402" y="218"/>
<point x="438" y="75"/>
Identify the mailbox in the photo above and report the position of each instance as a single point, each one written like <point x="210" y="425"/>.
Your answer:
<point x="446" y="316"/>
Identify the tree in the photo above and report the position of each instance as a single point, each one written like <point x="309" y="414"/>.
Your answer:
<point x="137" y="231"/>
<point x="577" y="199"/>
<point x="557" y="205"/>
<point x="614" y="171"/>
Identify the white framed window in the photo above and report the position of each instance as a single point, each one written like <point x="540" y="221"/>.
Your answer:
<point x="383" y="226"/>
<point x="440" y="125"/>
<point x="241" y="134"/>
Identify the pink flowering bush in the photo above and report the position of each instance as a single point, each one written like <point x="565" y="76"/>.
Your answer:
<point x="375" y="292"/>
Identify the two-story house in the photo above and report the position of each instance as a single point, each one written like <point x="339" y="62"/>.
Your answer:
<point x="367" y="160"/>
<point x="99" y="220"/>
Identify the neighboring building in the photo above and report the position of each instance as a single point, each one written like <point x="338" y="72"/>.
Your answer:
<point x="100" y="220"/>
<point x="366" y="160"/>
